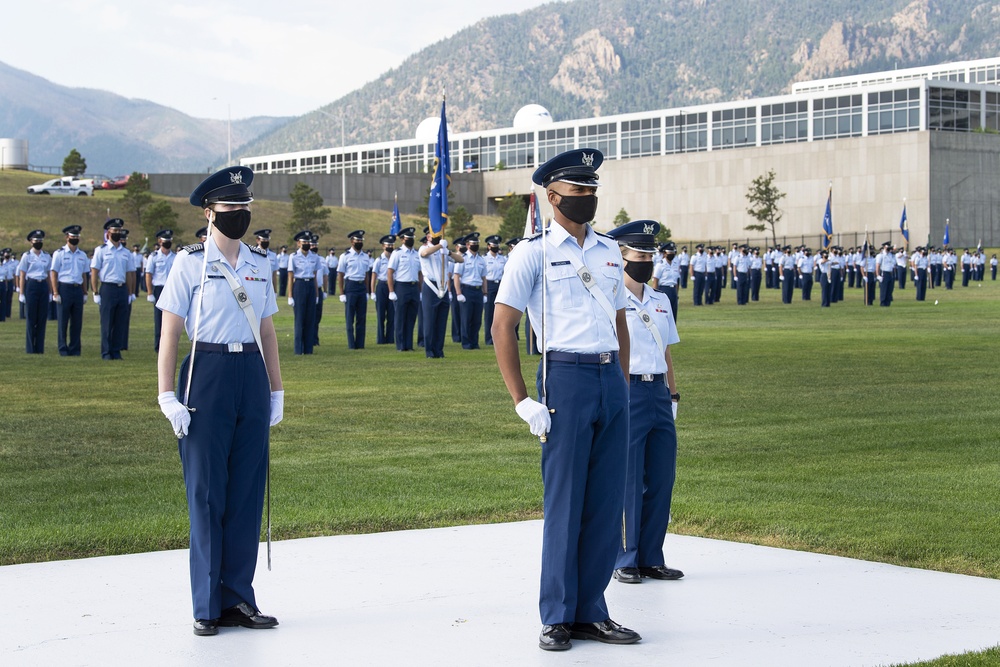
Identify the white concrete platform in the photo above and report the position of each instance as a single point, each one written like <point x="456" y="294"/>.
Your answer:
<point x="468" y="596"/>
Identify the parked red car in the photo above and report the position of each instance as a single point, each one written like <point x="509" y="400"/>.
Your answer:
<point x="116" y="183"/>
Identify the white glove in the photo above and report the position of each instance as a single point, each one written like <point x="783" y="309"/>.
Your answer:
<point x="57" y="298"/>
<point x="291" y="302"/>
<point x="673" y="407"/>
<point x="373" y="296"/>
<point x="17" y="289"/>
<point x="392" y="296"/>
<point x="536" y="415"/>
<point x="323" y="295"/>
<point x="781" y="277"/>
<point x="20" y="298"/>
<point x="461" y="298"/>
<point x="879" y="278"/>
<point x="179" y="416"/>
<point x="735" y="279"/>
<point x="444" y="243"/>
<point x="131" y="298"/>
<point x="278" y="406"/>
<point x="317" y="299"/>
<point x="85" y="298"/>
<point x="97" y="299"/>
<point x="864" y="279"/>
<point x="150" y="298"/>
<point x="343" y="298"/>
<point x="486" y="299"/>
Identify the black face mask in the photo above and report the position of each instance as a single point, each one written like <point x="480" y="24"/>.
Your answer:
<point x="305" y="248"/>
<point x="233" y="224"/>
<point x="640" y="272"/>
<point x="580" y="209"/>
<point x="408" y="243"/>
<point x="265" y="244"/>
<point x="357" y="246"/>
<point x="495" y="249"/>
<point x="115" y="238"/>
<point x="37" y="245"/>
<point x="73" y="242"/>
<point x="473" y="248"/>
<point x="166" y="245"/>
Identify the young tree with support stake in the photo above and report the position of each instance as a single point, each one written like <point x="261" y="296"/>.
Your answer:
<point x="764" y="196"/>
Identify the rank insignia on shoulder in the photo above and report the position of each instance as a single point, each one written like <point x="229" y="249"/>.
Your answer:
<point x="194" y="247"/>
<point x="256" y="249"/>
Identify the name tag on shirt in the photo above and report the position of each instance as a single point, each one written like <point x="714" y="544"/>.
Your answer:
<point x="559" y="263"/>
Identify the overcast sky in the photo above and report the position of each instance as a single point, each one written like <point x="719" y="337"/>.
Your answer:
<point x="257" y="57"/>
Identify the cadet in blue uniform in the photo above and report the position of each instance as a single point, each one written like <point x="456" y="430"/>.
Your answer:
<point x="741" y="275"/>
<point x="455" y="305"/>
<point x="302" y="269"/>
<point x="495" y="262"/>
<point x="667" y="274"/>
<point x="756" y="271"/>
<point x="385" y="315"/>
<point x="283" y="258"/>
<point x="69" y="278"/>
<point x="322" y="282"/>
<point x="403" y="280"/>
<point x="785" y="265"/>
<point x="112" y="271"/>
<point x="229" y="393"/>
<point x="264" y="243"/>
<point x="132" y="293"/>
<point x="435" y="267"/>
<point x="576" y="275"/>
<point x="352" y="275"/>
<point x="699" y="271"/>
<point x="7" y="268"/>
<point x="470" y="291"/>
<point x="33" y="273"/>
<point x="805" y="265"/>
<point x="920" y="264"/>
<point x="885" y="270"/>
<point x="157" y="269"/>
<point x="653" y="397"/>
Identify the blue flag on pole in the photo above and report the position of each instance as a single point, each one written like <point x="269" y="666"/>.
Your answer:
<point x="947" y="236"/>
<point x="396" y="222"/>
<point x="828" y="222"/>
<point x="437" y="205"/>
<point x="903" y="227"/>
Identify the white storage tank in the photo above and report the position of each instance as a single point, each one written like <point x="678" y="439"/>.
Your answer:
<point x="13" y="153"/>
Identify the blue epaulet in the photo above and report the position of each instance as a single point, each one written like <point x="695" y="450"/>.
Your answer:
<point x="193" y="248"/>
<point x="605" y="236"/>
<point x="533" y="237"/>
<point x="256" y="249"/>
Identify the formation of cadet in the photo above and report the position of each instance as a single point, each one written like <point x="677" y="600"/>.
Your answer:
<point x="437" y="265"/>
<point x="303" y="268"/>
<point x="403" y="280"/>
<point x="157" y="269"/>
<point x="228" y="395"/>
<point x="69" y="281"/>
<point x="385" y="311"/>
<point x="352" y="277"/>
<point x="112" y="275"/>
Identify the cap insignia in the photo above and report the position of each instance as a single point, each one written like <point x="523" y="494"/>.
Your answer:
<point x="588" y="160"/>
<point x="235" y="177"/>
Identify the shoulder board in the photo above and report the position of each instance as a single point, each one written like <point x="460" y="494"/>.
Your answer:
<point x="256" y="249"/>
<point x="194" y="247"/>
<point x="533" y="237"/>
<point x="605" y="236"/>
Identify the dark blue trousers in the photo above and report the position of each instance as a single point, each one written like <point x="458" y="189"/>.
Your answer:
<point x="901" y="276"/>
<point x="114" y="319"/>
<point x="407" y="306"/>
<point x="755" y="279"/>
<point x="318" y="318"/>
<point x="492" y="287"/>
<point x="870" y="289"/>
<point x="36" y="312"/>
<point x="224" y="458"/>
<point x="742" y="285"/>
<point x="710" y="277"/>
<point x="282" y="282"/>
<point x="921" y="284"/>
<point x="472" y="316"/>
<point x="532" y="338"/>
<point x="807" y="286"/>
<point x="435" y="320"/>
<point x="385" y="315"/>
<point x="70" y="318"/>
<point x="787" y="285"/>
<point x="456" y="315"/>
<point x="583" y="475"/>
<point x="4" y="296"/>
<point x="650" y="473"/>
<point x="824" y="289"/>
<point x="684" y="275"/>
<point x="304" y="294"/>
<point x="9" y="302"/>
<point x="671" y="292"/>
<point x="885" y="292"/>
<point x="356" y="310"/>
<point x="699" y="287"/>
<point x="157" y="317"/>
<point x="720" y="282"/>
<point x="835" y="280"/>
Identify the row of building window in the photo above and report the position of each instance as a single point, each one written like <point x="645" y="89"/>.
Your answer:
<point x="780" y="122"/>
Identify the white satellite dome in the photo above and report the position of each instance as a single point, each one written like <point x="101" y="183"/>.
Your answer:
<point x="427" y="131"/>
<point x="532" y="116"/>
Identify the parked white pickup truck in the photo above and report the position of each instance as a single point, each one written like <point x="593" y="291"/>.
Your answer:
<point x="63" y="186"/>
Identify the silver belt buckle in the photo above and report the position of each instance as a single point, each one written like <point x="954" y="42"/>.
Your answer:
<point x="647" y="377"/>
<point x="605" y="357"/>
<point x="235" y="347"/>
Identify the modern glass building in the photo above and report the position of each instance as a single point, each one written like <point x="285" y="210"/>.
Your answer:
<point x="958" y="97"/>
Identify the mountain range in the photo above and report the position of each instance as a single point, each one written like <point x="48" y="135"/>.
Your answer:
<point x="578" y="59"/>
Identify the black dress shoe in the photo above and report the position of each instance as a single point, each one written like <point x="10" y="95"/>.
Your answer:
<point x="606" y="631"/>
<point x="246" y="616"/>
<point x="554" y="637"/>
<point x="660" y="572"/>
<point x="628" y="575"/>
<point x="205" y="628"/>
